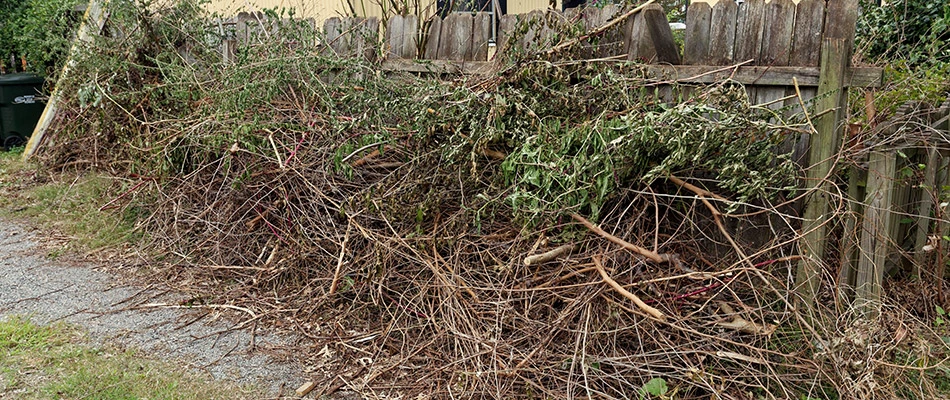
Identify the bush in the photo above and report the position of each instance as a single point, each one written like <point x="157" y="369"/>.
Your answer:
<point x="914" y="30"/>
<point x="40" y="31"/>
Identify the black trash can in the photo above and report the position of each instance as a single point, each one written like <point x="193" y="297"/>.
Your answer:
<point x="20" y="107"/>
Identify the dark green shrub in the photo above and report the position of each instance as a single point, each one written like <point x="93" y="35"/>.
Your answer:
<point x="914" y="30"/>
<point x="39" y="31"/>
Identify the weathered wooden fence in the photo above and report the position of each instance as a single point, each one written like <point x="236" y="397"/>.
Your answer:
<point x="897" y="216"/>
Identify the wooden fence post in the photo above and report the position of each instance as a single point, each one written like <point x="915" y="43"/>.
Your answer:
<point x="841" y="17"/>
<point x="875" y="234"/>
<point x="825" y="144"/>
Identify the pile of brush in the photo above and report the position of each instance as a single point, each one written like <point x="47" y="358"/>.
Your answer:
<point x="549" y="231"/>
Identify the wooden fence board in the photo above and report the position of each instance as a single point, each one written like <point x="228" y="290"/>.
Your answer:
<point x="777" y="39"/>
<point x="506" y="26"/>
<point x="346" y="42"/>
<point x="610" y="43"/>
<point x="402" y="36"/>
<point x="943" y="180"/>
<point x="840" y="19"/>
<point x="332" y="32"/>
<point x="481" y="34"/>
<point x="722" y="34"/>
<point x="875" y="241"/>
<point x="366" y="38"/>
<point x="433" y="38"/>
<point x="661" y="35"/>
<point x="530" y="24"/>
<point x="806" y="39"/>
<point x="456" y="39"/>
<point x="637" y="39"/>
<point x="395" y="34"/>
<point x="546" y="31"/>
<point x="779" y="26"/>
<point x="696" y="44"/>
<point x="749" y="30"/>
<point x="815" y="227"/>
<point x="924" y="217"/>
<point x="806" y="42"/>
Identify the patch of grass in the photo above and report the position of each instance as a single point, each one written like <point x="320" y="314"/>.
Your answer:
<point x="69" y="204"/>
<point x="51" y="362"/>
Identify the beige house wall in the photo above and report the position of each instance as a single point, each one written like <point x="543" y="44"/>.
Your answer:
<point x="316" y="9"/>
<point x="323" y="9"/>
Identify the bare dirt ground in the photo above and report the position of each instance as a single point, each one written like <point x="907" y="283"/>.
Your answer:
<point x="149" y="319"/>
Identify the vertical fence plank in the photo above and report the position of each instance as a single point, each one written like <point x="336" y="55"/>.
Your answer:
<point x="749" y="30"/>
<point x="610" y="43"/>
<point x="637" y="39"/>
<point x="722" y="33"/>
<point x="875" y="238"/>
<point x="395" y="34"/>
<point x="481" y="34"/>
<point x="530" y="24"/>
<point x="696" y="44"/>
<point x="547" y="30"/>
<point x="366" y="38"/>
<point x="942" y="127"/>
<point x="776" y="41"/>
<point x="835" y="60"/>
<point x="402" y="36"/>
<point x="661" y="35"/>
<point x="593" y="18"/>
<point x="433" y="38"/>
<point x="851" y="234"/>
<point x="750" y="21"/>
<point x="924" y="213"/>
<point x="332" y="31"/>
<point x="506" y="26"/>
<point x="346" y="42"/>
<point x="456" y="39"/>
<point x="806" y="38"/>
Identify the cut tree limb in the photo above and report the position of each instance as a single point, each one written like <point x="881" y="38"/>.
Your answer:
<point x="652" y="255"/>
<point x="619" y="289"/>
<point x="549" y="256"/>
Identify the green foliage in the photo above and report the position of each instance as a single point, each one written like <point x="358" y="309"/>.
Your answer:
<point x="917" y="31"/>
<point x="562" y="159"/>
<point x="655" y="387"/>
<point x="911" y="38"/>
<point x="40" y="31"/>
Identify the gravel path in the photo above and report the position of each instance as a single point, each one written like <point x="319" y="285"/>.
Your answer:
<point x="47" y="291"/>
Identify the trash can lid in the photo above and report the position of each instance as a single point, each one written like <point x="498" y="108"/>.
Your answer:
<point x="21" y="78"/>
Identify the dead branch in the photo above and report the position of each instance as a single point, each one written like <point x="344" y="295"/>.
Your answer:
<point x="619" y="289"/>
<point x="339" y="262"/>
<point x="549" y="256"/>
<point x="652" y="255"/>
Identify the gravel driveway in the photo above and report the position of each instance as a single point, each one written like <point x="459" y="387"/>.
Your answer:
<point x="48" y="291"/>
